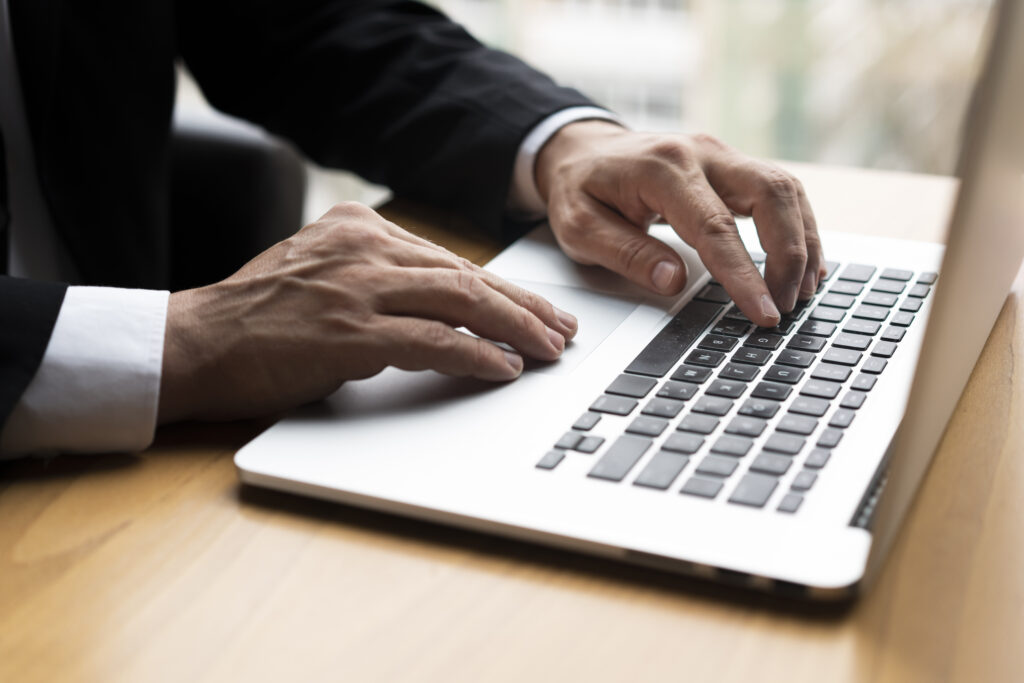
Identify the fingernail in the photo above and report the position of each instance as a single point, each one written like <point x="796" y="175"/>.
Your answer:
<point x="514" y="361"/>
<point x="566" y="319"/>
<point x="809" y="285"/>
<point x="768" y="308"/>
<point x="557" y="340"/>
<point x="663" y="274"/>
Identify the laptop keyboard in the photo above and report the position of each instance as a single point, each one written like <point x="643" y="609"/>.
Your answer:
<point x="710" y="384"/>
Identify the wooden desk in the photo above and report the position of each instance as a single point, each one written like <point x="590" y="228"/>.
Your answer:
<point x="160" y="567"/>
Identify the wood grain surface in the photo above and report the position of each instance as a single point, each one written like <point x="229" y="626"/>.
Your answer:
<point x="161" y="567"/>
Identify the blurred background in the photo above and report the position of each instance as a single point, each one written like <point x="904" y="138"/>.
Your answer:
<point x="872" y="83"/>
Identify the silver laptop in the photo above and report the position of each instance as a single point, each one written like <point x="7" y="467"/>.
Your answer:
<point x="672" y="433"/>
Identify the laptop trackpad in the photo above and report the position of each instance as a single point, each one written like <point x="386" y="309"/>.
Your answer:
<point x="599" y="315"/>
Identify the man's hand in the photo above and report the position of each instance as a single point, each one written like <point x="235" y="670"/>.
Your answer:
<point x="605" y="185"/>
<point x="345" y="297"/>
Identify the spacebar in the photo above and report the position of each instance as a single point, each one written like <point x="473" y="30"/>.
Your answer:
<point x="674" y="339"/>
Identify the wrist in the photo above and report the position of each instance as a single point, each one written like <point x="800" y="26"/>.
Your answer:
<point x="177" y="375"/>
<point x="570" y="141"/>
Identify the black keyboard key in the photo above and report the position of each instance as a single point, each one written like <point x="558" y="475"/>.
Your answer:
<point x="832" y="373"/>
<point x="716" y="342"/>
<point x="805" y="405"/>
<point x="661" y="354"/>
<point x="682" y="442"/>
<point x="737" y="446"/>
<point x="691" y="373"/>
<point x="864" y="382"/>
<point x="711" y="359"/>
<point x="746" y="426"/>
<point x="911" y="305"/>
<point x="853" y="400"/>
<point x="763" y="340"/>
<point x="797" y="424"/>
<point x="550" y="460"/>
<point x="647" y="426"/>
<point x="699" y="486"/>
<point x="631" y="385"/>
<point x="847" y="288"/>
<point x="569" y="440"/>
<point x="828" y="315"/>
<point x="894" y="334"/>
<point x="780" y="373"/>
<point x="760" y="407"/>
<point x="817" y="458"/>
<point x="614" y="405"/>
<point x="845" y="340"/>
<point x="736" y="314"/>
<point x="752" y="356"/>
<point x="739" y="371"/>
<point x="714" y="293"/>
<point x="858" y="326"/>
<point x="888" y="286"/>
<point x="903" y="319"/>
<point x="784" y="443"/>
<point x="842" y="418"/>
<point x="589" y="444"/>
<point x="818" y="328"/>
<point x="799" y="359"/>
<point x="771" y="463"/>
<point x="662" y="470"/>
<point x="804" y="480"/>
<point x="897" y="274"/>
<point x="754" y="490"/>
<point x="726" y="388"/>
<point x="842" y="357"/>
<point x="731" y="328"/>
<point x="620" y="457"/>
<point x="587" y="421"/>
<point x="776" y="392"/>
<point x="662" y="407"/>
<point x="680" y="391"/>
<point x="874" y="366"/>
<point x="919" y="291"/>
<point x="699" y="424"/>
<point x="717" y="465"/>
<point x="819" y="388"/>
<point x="927" y="278"/>
<point x="790" y="503"/>
<point x="880" y="299"/>
<point x="837" y="300"/>
<point x="871" y="312"/>
<point x="804" y="342"/>
<point x="857" y="273"/>
<point x="712" y="405"/>
<point x="784" y="327"/>
<point x="830" y="438"/>
<point x="884" y="349"/>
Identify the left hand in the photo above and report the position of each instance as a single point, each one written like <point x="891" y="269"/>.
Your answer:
<point x="604" y="186"/>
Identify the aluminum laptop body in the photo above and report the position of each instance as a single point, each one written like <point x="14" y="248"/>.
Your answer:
<point x="466" y="453"/>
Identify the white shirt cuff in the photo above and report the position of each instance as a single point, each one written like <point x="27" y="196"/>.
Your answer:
<point x="98" y="387"/>
<point x="524" y="197"/>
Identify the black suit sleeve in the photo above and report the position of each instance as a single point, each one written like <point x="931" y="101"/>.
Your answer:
<point x="392" y="90"/>
<point x="28" y="311"/>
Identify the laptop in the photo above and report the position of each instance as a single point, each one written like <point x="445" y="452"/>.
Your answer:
<point x="673" y="433"/>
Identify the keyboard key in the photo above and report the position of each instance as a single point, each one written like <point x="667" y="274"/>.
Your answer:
<point x="790" y="503"/>
<point x="691" y="373"/>
<point x="829" y="315"/>
<point x="784" y="443"/>
<point x="880" y="299"/>
<point x="799" y="359"/>
<point x="911" y="305"/>
<point x="590" y="444"/>
<point x="853" y="400"/>
<point x="682" y="442"/>
<point x="712" y="405"/>
<point x="837" y="300"/>
<point x="897" y="274"/>
<point x="550" y="460"/>
<point x="864" y="382"/>
<point x="716" y="342"/>
<point x="803" y="342"/>
<point x="711" y="359"/>
<point x="631" y="385"/>
<point x="731" y="328"/>
<point x="662" y="470"/>
<point x="842" y="418"/>
<point x="586" y="421"/>
<point x="737" y="446"/>
<point x="818" y="328"/>
<point x="848" y="288"/>
<point x="903" y="319"/>
<point x="739" y="371"/>
<point x="805" y="405"/>
<point x="874" y="366"/>
<point x="699" y="486"/>
<point x="817" y="458"/>
<point x="771" y="463"/>
<point x="729" y="389"/>
<point x="894" y="334"/>
<point x="717" y="465"/>
<point x="820" y="388"/>
<point x="919" y="291"/>
<point x="780" y="373"/>
<point x="680" y="391"/>
<point x="662" y="353"/>
<point x="620" y="457"/>
<point x="754" y="490"/>
<point x="871" y="312"/>
<point x="832" y="373"/>
<point x="746" y="426"/>
<point x="776" y="392"/>
<point x="763" y="340"/>
<point x="614" y="405"/>
<point x="842" y="357"/>
<point x="845" y="340"/>
<point x="662" y="407"/>
<point x="888" y="286"/>
<point x="804" y="480"/>
<point x="927" y="278"/>
<point x="784" y="327"/>
<point x="857" y="273"/>
<point x="884" y="349"/>
<point x="736" y="314"/>
<point x="647" y="426"/>
<point x="699" y="424"/>
<point x="858" y="326"/>
<point x="757" y="256"/>
<point x="752" y="356"/>
<point x="760" y="407"/>
<point x="830" y="438"/>
<point x="715" y="294"/>
<point x="830" y="269"/>
<point x="797" y="424"/>
<point x="569" y="440"/>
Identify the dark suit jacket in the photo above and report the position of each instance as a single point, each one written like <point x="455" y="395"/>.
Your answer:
<point x="389" y="89"/>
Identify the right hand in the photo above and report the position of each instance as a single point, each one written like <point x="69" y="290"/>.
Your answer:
<point x="342" y="299"/>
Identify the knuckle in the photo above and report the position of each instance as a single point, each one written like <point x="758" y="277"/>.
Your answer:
<point x="780" y="185"/>
<point x="629" y="253"/>
<point x="437" y="337"/>
<point x="671" y="150"/>
<point x="706" y="139"/>
<point x="469" y="287"/>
